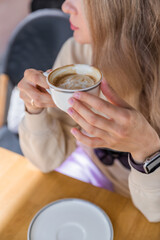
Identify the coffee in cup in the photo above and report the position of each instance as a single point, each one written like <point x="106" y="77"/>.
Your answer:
<point x="66" y="80"/>
<point x="74" y="81"/>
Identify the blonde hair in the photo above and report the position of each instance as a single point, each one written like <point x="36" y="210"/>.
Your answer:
<point x="126" y="47"/>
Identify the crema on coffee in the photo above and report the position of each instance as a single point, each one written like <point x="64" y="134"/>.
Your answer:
<point x="74" y="81"/>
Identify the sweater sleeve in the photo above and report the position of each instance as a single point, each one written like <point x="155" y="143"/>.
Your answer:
<point x="45" y="138"/>
<point x="145" y="193"/>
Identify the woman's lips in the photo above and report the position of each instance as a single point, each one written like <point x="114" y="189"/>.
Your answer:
<point x="73" y="27"/>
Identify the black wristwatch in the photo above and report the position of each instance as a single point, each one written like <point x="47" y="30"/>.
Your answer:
<point x="149" y="165"/>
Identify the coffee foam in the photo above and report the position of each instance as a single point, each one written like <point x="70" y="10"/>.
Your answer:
<point x="75" y="81"/>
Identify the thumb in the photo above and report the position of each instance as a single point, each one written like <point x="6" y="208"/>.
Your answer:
<point x="112" y="96"/>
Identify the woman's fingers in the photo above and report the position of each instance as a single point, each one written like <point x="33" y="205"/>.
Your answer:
<point x="116" y="113"/>
<point x="26" y="99"/>
<point x="41" y="100"/>
<point x="92" y="130"/>
<point x="36" y="78"/>
<point x="33" y="91"/>
<point x="102" y="106"/>
<point x="112" y="96"/>
<point x="40" y="96"/>
<point x="92" y="142"/>
<point x="92" y="118"/>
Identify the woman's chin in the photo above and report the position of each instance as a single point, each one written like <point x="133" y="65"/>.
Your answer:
<point x="79" y="38"/>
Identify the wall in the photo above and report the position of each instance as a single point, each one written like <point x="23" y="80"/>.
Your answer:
<point x="11" y="13"/>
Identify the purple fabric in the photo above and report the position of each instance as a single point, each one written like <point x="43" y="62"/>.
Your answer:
<point x="108" y="156"/>
<point x="78" y="165"/>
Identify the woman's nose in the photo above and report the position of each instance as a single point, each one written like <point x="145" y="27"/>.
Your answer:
<point x="68" y="7"/>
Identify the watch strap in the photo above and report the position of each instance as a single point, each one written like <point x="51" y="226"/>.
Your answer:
<point x="149" y="165"/>
<point x="138" y="166"/>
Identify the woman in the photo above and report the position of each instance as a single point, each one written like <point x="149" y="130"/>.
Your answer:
<point x="123" y="38"/>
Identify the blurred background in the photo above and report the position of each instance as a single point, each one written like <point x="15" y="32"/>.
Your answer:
<point x="31" y="35"/>
<point x="13" y="11"/>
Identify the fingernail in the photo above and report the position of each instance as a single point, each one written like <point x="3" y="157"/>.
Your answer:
<point x="70" y="111"/>
<point x="106" y="83"/>
<point x="77" y="95"/>
<point x="71" y="101"/>
<point x="74" y="131"/>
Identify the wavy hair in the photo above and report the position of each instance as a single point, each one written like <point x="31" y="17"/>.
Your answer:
<point x="126" y="47"/>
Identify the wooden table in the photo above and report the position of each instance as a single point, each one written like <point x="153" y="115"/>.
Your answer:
<point x="25" y="190"/>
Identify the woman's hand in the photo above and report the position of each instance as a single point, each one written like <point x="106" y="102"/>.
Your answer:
<point x="121" y="127"/>
<point x="33" y="91"/>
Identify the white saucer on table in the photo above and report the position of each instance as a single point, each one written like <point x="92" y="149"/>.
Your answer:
<point x="71" y="219"/>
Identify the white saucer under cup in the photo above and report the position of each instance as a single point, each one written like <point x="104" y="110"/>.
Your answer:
<point x="71" y="219"/>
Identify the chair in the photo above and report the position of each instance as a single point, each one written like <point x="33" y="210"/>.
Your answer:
<point x="39" y="4"/>
<point x="35" y="43"/>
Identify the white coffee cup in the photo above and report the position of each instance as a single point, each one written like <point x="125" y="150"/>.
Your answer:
<point x="61" y="96"/>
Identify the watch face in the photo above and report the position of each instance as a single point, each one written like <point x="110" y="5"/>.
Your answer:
<point x="152" y="165"/>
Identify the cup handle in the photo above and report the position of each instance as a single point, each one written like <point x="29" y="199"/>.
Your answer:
<point x="48" y="90"/>
<point x="46" y="75"/>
